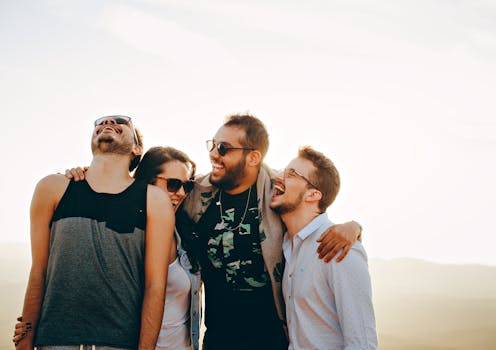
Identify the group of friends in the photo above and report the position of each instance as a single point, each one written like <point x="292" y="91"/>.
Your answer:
<point x="122" y="249"/>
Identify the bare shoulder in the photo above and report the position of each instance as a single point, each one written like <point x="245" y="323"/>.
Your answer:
<point x="54" y="184"/>
<point x="157" y="198"/>
<point x="155" y="193"/>
<point x="48" y="193"/>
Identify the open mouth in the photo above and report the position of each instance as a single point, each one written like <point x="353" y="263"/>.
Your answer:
<point x="109" y="128"/>
<point x="217" y="167"/>
<point x="279" y="189"/>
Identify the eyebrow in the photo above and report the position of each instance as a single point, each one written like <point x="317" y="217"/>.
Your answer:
<point x="228" y="144"/>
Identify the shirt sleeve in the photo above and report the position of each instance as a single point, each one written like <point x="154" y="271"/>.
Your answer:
<point x="350" y="282"/>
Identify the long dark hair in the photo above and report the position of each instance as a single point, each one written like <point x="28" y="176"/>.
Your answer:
<point x="149" y="167"/>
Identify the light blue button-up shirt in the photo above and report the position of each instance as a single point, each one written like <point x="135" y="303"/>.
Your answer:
<point x="328" y="305"/>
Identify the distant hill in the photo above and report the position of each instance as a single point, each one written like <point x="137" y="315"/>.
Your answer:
<point x="419" y="305"/>
<point x="422" y="305"/>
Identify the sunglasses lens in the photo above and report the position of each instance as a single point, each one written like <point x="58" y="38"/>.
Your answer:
<point x="99" y="121"/>
<point x="222" y="149"/>
<point x="188" y="186"/>
<point x="121" y="120"/>
<point x="173" y="185"/>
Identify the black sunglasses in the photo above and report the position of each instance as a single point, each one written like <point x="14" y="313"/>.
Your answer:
<point x="174" y="185"/>
<point x="222" y="148"/>
<point x="119" y="119"/>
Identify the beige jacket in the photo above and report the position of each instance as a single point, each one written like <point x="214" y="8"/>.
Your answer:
<point x="270" y="226"/>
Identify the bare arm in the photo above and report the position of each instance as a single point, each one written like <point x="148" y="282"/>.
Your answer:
<point x="159" y="233"/>
<point x="46" y="197"/>
<point x="338" y="237"/>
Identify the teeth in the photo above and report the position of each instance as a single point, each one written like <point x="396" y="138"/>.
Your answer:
<point x="279" y="189"/>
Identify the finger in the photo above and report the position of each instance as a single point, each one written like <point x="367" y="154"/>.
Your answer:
<point x="80" y="173"/>
<point x="68" y="174"/>
<point x="21" y="329"/>
<point x="343" y="254"/>
<point x="325" y="246"/>
<point x="335" y="250"/>
<point x="17" y="338"/>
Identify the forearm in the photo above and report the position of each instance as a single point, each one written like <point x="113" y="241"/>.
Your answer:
<point x="151" y="316"/>
<point x="32" y="305"/>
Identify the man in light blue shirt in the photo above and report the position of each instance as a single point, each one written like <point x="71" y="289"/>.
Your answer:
<point x="328" y="306"/>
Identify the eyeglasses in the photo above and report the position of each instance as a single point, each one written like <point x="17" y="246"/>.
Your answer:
<point x="290" y="172"/>
<point x="174" y="185"/>
<point x="121" y="120"/>
<point x="222" y="147"/>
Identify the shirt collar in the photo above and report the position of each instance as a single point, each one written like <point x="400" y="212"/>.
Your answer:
<point x="312" y="226"/>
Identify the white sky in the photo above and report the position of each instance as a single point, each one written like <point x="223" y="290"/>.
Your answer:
<point x="400" y="94"/>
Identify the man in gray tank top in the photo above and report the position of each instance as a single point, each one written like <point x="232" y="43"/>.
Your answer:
<point x="97" y="280"/>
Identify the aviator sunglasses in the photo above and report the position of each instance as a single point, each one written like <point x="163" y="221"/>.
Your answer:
<point x="222" y="148"/>
<point x="121" y="120"/>
<point x="174" y="185"/>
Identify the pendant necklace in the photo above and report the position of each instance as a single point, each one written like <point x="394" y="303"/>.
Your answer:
<point x="242" y="218"/>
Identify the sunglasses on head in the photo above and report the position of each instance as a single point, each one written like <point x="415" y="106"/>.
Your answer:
<point x="174" y="185"/>
<point x="222" y="147"/>
<point x="119" y="119"/>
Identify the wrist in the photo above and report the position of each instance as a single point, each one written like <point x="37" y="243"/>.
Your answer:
<point x="360" y="229"/>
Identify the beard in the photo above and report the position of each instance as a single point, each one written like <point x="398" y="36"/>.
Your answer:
<point x="289" y="205"/>
<point x="107" y="144"/>
<point x="232" y="177"/>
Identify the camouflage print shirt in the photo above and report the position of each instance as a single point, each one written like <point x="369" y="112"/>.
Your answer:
<point x="241" y="267"/>
<point x="239" y="304"/>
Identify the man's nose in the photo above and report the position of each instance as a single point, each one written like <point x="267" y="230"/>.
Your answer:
<point x="109" y="121"/>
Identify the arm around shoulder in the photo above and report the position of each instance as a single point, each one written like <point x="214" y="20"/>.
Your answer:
<point x="159" y="233"/>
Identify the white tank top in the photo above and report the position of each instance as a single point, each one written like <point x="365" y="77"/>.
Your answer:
<point x="174" y="333"/>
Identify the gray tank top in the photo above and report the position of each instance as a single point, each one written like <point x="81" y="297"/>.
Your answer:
<point x="95" y="276"/>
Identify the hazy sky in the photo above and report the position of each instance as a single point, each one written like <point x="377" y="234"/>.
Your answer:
<point x="400" y="94"/>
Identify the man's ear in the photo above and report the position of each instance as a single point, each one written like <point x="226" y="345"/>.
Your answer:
<point x="254" y="158"/>
<point x="313" y="195"/>
<point x="137" y="150"/>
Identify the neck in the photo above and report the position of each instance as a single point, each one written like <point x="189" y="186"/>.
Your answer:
<point x="249" y="180"/>
<point x="109" y="173"/>
<point x="296" y="220"/>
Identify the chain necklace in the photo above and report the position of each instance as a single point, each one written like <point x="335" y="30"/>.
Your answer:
<point x="242" y="218"/>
